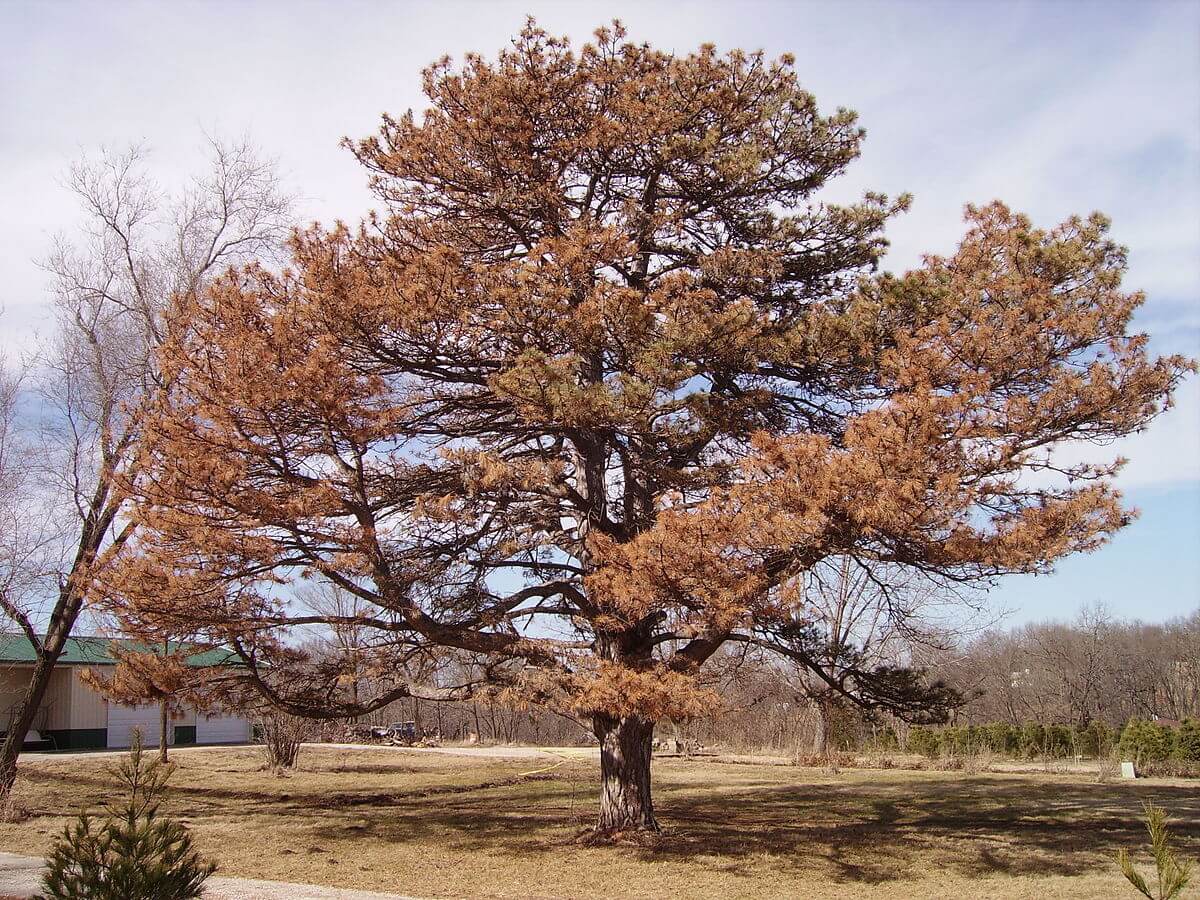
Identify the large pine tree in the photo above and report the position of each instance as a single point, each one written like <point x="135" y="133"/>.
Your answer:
<point x="602" y="379"/>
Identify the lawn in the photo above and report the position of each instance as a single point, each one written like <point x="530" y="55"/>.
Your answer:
<point x="442" y="826"/>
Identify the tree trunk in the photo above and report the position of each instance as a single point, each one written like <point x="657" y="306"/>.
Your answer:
<point x="625" y="802"/>
<point x="162" y="730"/>
<point x="21" y="721"/>
<point x="820" y="744"/>
<point x="491" y="709"/>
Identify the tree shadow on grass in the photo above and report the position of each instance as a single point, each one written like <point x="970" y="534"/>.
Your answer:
<point x="854" y="832"/>
<point x="973" y="826"/>
<point x="862" y="827"/>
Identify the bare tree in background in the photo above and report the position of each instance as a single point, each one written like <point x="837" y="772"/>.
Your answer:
<point x="347" y="641"/>
<point x="1180" y="679"/>
<point x="1078" y="663"/>
<point x="138" y="247"/>
<point x="1094" y="667"/>
<point x="21" y="534"/>
<point x="853" y="642"/>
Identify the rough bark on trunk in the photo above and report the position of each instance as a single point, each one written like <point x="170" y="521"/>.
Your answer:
<point x="820" y="744"/>
<point x="625" y="748"/>
<point x="20" y="723"/>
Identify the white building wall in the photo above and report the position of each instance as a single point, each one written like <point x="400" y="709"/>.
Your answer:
<point x="89" y="709"/>
<point x="56" y="702"/>
<point x="123" y="720"/>
<point x="222" y="729"/>
<point x="70" y="704"/>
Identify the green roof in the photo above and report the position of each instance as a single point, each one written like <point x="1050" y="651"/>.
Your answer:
<point x="94" y="650"/>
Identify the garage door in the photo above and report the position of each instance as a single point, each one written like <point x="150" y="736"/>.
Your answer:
<point x="222" y="730"/>
<point x="122" y="720"/>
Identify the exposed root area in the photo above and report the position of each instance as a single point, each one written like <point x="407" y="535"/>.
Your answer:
<point x="631" y="837"/>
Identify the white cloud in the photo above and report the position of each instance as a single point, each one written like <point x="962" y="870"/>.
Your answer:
<point x="1166" y="453"/>
<point x="1051" y="108"/>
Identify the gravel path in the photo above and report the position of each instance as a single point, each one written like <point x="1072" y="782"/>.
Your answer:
<point x="487" y="752"/>
<point x="20" y="877"/>
<point x="492" y="752"/>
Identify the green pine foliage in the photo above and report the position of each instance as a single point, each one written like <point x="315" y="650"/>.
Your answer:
<point x="1031" y="738"/>
<point x="1140" y="741"/>
<point x="1002" y="738"/>
<point x="134" y="853"/>
<point x="1172" y="875"/>
<point x="1189" y="740"/>
<point x="1143" y="742"/>
<point x="924" y="741"/>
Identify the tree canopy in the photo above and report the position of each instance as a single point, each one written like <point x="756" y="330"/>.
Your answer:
<point x="603" y="378"/>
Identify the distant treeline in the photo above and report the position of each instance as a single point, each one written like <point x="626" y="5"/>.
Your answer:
<point x="1140" y="740"/>
<point x="1042" y="689"/>
<point x="1024" y="687"/>
<point x="1095" y="668"/>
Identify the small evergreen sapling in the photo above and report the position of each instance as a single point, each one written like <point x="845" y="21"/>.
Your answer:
<point x="1173" y="875"/>
<point x="134" y="854"/>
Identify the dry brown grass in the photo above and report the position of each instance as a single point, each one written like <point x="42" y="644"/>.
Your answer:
<point x="443" y="826"/>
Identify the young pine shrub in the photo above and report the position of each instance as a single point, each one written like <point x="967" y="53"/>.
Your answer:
<point x="1001" y="738"/>
<point x="1059" y="740"/>
<point x="1172" y="875"/>
<point x="1032" y="740"/>
<point x="1168" y="739"/>
<point x="134" y="853"/>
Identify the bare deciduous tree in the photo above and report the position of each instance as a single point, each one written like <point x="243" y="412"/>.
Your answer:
<point x="138" y="247"/>
<point x="1096" y="667"/>
<point x="281" y="735"/>
<point x="853" y="639"/>
<point x="16" y="531"/>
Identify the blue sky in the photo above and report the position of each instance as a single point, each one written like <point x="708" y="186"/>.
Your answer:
<point x="1055" y="108"/>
